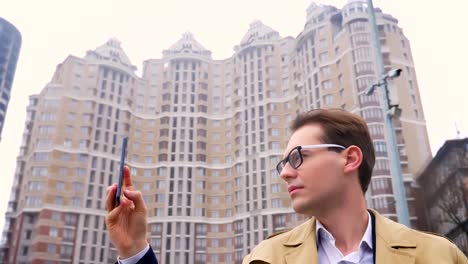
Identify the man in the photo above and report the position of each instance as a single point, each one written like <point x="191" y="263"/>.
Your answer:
<point x="327" y="166"/>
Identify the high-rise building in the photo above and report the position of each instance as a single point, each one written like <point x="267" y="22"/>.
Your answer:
<point x="10" y="43"/>
<point x="205" y="136"/>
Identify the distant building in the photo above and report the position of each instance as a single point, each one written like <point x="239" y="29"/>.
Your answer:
<point x="205" y="137"/>
<point x="10" y="43"/>
<point x="444" y="193"/>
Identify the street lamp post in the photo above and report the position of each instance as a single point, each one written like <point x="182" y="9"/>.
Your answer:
<point x="390" y="110"/>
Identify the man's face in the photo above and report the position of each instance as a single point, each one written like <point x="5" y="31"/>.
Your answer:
<point x="317" y="183"/>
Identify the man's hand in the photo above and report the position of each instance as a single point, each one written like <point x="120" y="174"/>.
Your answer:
<point x="126" y="223"/>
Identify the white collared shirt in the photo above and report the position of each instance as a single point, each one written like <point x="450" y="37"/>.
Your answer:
<point x="328" y="253"/>
<point x="135" y="258"/>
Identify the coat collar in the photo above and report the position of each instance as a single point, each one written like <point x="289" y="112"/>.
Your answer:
<point x="392" y="243"/>
<point x="302" y="244"/>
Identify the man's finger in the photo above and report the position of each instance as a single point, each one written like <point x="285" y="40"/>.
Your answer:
<point x="110" y="199"/>
<point x="137" y="199"/>
<point x="127" y="179"/>
<point x="113" y="215"/>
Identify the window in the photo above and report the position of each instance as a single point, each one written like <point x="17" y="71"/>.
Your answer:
<point x="46" y="130"/>
<point x="71" y="116"/>
<point x="160" y="198"/>
<point x="275" y="145"/>
<point x="325" y="70"/>
<point x="83" y="143"/>
<point x="24" y="250"/>
<point x="65" y="157"/>
<point x="161" y="184"/>
<point x="200" y="184"/>
<point x="60" y="186"/>
<point x="33" y="201"/>
<point x="80" y="172"/>
<point x="58" y="200"/>
<point x="326" y="84"/>
<point x="147" y="173"/>
<point x="323" y="56"/>
<point x="84" y="130"/>
<point x="35" y="186"/>
<point x="200" y="198"/>
<point x="280" y="220"/>
<point x="275" y="203"/>
<point x="53" y="232"/>
<point x="328" y="99"/>
<point x="380" y="147"/>
<point x="77" y="187"/>
<point x="215" y="214"/>
<point x="149" y="147"/>
<point x="162" y="171"/>
<point x="63" y="171"/>
<point x="83" y="158"/>
<point x="51" y="248"/>
<point x="273" y="119"/>
<point x="68" y="129"/>
<point x="158" y="212"/>
<point x="275" y="188"/>
<point x="41" y="156"/>
<point x="216" y="148"/>
<point x="66" y="250"/>
<point x="163" y="145"/>
<point x="39" y="171"/>
<point x="76" y="201"/>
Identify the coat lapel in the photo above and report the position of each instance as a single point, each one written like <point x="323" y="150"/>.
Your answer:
<point x="392" y="246"/>
<point x="302" y="246"/>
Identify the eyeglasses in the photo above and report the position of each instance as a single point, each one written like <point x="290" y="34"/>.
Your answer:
<point x="295" y="157"/>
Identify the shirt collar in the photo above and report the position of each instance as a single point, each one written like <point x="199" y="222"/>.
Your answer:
<point x="322" y="233"/>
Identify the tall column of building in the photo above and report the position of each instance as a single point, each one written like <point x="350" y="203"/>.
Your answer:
<point x="10" y="43"/>
<point x="69" y="158"/>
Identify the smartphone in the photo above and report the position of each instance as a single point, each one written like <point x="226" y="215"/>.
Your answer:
<point x="123" y="154"/>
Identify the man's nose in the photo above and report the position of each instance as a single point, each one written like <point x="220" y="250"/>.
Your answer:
<point x="288" y="172"/>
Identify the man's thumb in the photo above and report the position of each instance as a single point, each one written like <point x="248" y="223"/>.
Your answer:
<point x="137" y="199"/>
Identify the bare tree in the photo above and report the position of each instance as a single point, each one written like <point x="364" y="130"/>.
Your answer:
<point x="452" y="203"/>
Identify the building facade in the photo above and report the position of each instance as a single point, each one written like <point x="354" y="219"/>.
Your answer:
<point x="444" y="193"/>
<point x="10" y="43"/>
<point x="205" y="136"/>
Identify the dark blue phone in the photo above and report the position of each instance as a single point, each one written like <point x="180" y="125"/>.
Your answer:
<point x="123" y="154"/>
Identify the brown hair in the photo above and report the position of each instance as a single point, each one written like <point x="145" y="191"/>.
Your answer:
<point x="346" y="129"/>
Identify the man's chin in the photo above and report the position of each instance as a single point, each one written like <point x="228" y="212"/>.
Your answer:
<point x="305" y="207"/>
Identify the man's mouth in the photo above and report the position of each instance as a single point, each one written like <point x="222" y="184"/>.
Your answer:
<point x="294" y="188"/>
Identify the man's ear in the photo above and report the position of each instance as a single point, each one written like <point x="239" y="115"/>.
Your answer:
<point x="353" y="159"/>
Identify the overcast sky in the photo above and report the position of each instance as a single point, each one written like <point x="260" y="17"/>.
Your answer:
<point x="52" y="30"/>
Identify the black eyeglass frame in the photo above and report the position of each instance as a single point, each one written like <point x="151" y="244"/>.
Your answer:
<point x="282" y="163"/>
